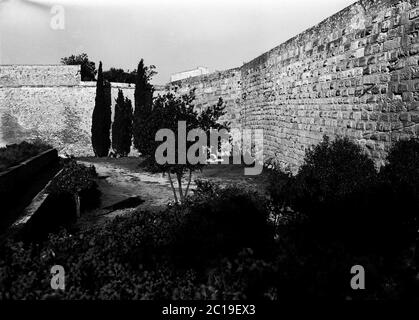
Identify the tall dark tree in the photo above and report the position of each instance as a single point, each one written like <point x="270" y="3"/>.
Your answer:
<point x="143" y="106"/>
<point x="88" y="68"/>
<point x="122" y="126"/>
<point x="101" y="118"/>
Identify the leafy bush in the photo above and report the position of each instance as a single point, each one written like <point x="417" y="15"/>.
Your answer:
<point x="76" y="178"/>
<point x="227" y="247"/>
<point x="129" y="258"/>
<point x="244" y="276"/>
<point x="221" y="221"/>
<point x="60" y="208"/>
<point x="14" y="154"/>
<point x="399" y="192"/>
<point x="115" y="262"/>
<point x="332" y="173"/>
<point x="331" y="190"/>
<point x="343" y="213"/>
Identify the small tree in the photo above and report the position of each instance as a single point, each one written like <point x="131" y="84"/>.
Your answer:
<point x="88" y="68"/>
<point x="143" y="96"/>
<point x="101" y="118"/>
<point x="169" y="110"/>
<point x="122" y="126"/>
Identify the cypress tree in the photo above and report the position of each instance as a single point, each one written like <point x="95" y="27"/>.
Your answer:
<point x="122" y="126"/>
<point x="101" y="118"/>
<point x="143" y="96"/>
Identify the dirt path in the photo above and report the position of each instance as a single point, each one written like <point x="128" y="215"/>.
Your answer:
<point x="120" y="179"/>
<point x="118" y="183"/>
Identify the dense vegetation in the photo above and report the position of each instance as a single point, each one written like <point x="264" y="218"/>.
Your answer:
<point x="73" y="191"/>
<point x="143" y="106"/>
<point x="234" y="243"/>
<point x="88" y="68"/>
<point x="13" y="154"/>
<point x="119" y="75"/>
<point x="168" y="112"/>
<point x="122" y="126"/>
<point x="102" y="117"/>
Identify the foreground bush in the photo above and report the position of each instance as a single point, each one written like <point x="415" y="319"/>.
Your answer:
<point x="129" y="258"/>
<point x="220" y="244"/>
<point x="399" y="192"/>
<point x="73" y="191"/>
<point x="13" y="154"/>
<point x="331" y="190"/>
<point x="217" y="222"/>
<point x="341" y="212"/>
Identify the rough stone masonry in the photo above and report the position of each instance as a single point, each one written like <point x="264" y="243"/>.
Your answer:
<point x="355" y="74"/>
<point x="50" y="103"/>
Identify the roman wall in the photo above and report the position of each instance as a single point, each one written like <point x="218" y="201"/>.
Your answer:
<point x="209" y="88"/>
<point x="355" y="74"/>
<point x="50" y="103"/>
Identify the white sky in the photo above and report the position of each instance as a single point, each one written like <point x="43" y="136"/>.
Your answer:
<point x="174" y="35"/>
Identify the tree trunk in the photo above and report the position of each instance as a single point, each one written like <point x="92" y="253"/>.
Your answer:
<point x="77" y="202"/>
<point x="189" y="182"/>
<point x="179" y="182"/>
<point x="173" y="188"/>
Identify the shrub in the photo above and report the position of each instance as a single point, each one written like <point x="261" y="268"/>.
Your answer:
<point x="117" y="261"/>
<point x="331" y="190"/>
<point x="13" y="154"/>
<point x="221" y="221"/>
<point x="128" y="258"/>
<point x="332" y="173"/>
<point x="240" y="277"/>
<point x="347" y="214"/>
<point x="399" y="192"/>
<point x="61" y="208"/>
<point x="76" y="178"/>
<point x="88" y="68"/>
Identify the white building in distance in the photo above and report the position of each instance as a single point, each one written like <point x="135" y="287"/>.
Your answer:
<point x="199" y="71"/>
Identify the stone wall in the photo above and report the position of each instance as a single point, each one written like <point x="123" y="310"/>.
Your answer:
<point x="50" y="103"/>
<point x="39" y="75"/>
<point x="209" y="88"/>
<point x="355" y="74"/>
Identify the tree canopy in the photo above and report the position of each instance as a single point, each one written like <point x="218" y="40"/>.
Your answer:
<point x="122" y="126"/>
<point x="88" y="68"/>
<point x="101" y="118"/>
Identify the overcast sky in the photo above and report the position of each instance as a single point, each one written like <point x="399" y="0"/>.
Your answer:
<point x="174" y="35"/>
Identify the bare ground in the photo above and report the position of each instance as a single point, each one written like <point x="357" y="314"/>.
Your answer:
<point x="122" y="178"/>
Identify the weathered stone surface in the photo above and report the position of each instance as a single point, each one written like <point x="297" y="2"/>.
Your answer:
<point x="39" y="75"/>
<point x="209" y="88"/>
<point x="355" y="74"/>
<point x="60" y="115"/>
<point x="352" y="75"/>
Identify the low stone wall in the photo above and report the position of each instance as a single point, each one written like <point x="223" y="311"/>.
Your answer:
<point x="15" y="177"/>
